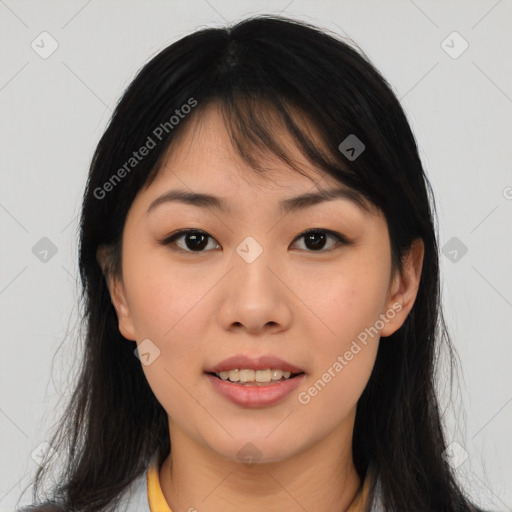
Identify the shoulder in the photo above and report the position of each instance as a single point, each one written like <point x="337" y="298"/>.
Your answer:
<point x="372" y="501"/>
<point x="133" y="499"/>
<point x="135" y="496"/>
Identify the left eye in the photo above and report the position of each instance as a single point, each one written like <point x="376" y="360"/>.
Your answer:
<point x="315" y="240"/>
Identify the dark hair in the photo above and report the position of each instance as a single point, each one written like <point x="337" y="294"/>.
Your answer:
<point x="263" y="68"/>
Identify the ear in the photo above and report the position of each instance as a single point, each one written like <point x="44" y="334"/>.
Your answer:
<point x="404" y="288"/>
<point x="117" y="292"/>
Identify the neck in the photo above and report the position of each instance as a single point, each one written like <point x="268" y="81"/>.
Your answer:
<point x="321" y="478"/>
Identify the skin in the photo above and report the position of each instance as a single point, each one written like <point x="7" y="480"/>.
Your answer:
<point x="301" y="304"/>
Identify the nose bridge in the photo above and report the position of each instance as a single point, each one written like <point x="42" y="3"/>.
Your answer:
<point x="253" y="297"/>
<point x="250" y="250"/>
<point x="251" y="261"/>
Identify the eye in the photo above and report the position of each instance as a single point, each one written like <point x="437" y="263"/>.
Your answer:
<point x="193" y="240"/>
<point x="315" y="239"/>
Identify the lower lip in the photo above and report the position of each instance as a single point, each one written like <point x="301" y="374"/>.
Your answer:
<point x="255" y="396"/>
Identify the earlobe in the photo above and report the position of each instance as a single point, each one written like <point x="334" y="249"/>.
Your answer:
<point x="404" y="288"/>
<point x="117" y="293"/>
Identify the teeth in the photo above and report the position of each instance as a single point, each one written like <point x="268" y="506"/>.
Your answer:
<point x="248" y="375"/>
<point x="262" y="376"/>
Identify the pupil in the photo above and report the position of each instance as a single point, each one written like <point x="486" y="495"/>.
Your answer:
<point x="315" y="240"/>
<point x="198" y="241"/>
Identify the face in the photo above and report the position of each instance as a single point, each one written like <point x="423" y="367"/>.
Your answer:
<point x="254" y="283"/>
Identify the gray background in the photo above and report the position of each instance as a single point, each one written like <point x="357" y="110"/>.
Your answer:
<point x="55" y="109"/>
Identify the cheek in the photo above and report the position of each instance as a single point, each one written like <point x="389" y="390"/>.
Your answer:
<point x="166" y="309"/>
<point x="347" y="301"/>
<point x="349" y="305"/>
<point x="160" y="298"/>
<point x="344" y="358"/>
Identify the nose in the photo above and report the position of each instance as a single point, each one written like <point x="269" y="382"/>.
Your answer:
<point x="254" y="296"/>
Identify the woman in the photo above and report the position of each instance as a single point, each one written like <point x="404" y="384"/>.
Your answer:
<point x="258" y="222"/>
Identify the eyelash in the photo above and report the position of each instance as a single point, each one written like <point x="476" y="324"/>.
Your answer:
<point x="341" y="240"/>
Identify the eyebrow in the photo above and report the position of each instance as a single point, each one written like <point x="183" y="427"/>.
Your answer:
<point x="287" y="205"/>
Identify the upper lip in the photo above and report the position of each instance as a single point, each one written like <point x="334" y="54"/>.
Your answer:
<point x="254" y="363"/>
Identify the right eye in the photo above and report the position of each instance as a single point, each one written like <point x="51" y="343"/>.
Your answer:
<point x="189" y="240"/>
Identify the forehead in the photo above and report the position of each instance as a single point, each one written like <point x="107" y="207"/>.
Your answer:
<point x="203" y="170"/>
<point x="205" y="152"/>
<point x="203" y="167"/>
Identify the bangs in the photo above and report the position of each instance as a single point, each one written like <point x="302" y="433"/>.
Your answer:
<point x="260" y="127"/>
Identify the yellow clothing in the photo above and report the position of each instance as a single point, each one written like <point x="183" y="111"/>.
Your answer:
<point x="157" y="502"/>
<point x="156" y="497"/>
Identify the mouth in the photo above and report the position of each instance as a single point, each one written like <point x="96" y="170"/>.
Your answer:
<point x="246" y="390"/>
<point x="250" y="377"/>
